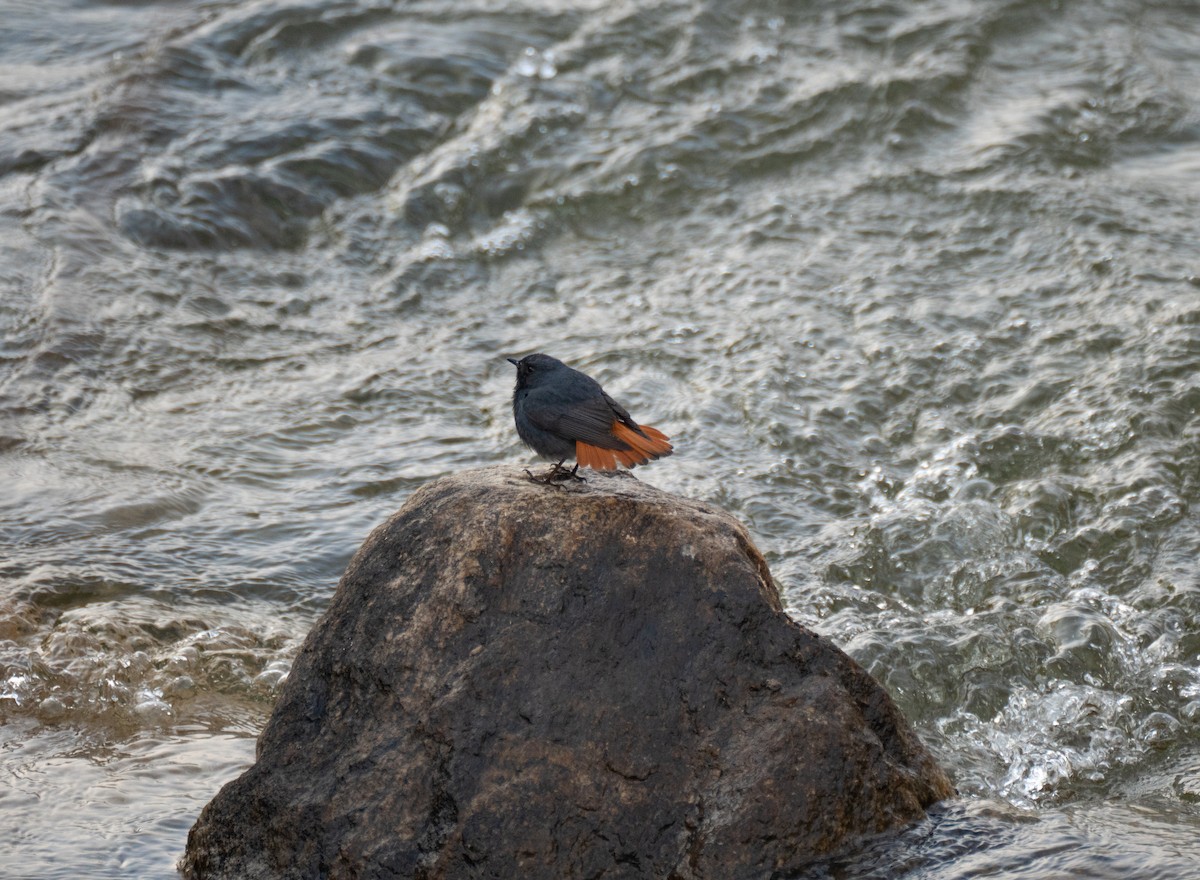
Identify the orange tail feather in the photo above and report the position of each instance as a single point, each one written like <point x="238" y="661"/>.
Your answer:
<point x="627" y="457"/>
<point x="642" y="449"/>
<point x="595" y="457"/>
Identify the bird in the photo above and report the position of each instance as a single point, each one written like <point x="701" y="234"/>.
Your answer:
<point x="562" y="413"/>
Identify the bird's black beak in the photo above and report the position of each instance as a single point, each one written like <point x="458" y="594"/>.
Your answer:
<point x="513" y="361"/>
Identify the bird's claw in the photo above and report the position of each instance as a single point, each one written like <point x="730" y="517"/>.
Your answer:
<point x="561" y="473"/>
<point x="557" y="474"/>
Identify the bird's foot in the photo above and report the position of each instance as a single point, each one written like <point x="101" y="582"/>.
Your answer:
<point x="557" y="474"/>
<point x="561" y="473"/>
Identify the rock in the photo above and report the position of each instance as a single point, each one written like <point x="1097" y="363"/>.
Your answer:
<point x="520" y="680"/>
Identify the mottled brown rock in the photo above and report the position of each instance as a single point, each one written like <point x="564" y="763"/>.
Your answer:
<point x="519" y="680"/>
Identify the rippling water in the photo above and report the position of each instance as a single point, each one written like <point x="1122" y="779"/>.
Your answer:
<point x="914" y="287"/>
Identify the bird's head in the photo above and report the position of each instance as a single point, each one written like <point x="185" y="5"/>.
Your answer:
<point x="534" y="369"/>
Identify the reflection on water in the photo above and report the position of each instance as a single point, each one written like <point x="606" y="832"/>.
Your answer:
<point x="983" y="838"/>
<point x="84" y="805"/>
<point x="914" y="287"/>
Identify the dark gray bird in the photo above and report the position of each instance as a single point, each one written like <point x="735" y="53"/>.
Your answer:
<point x="562" y="413"/>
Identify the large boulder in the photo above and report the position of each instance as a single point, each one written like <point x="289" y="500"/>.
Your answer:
<point x="562" y="681"/>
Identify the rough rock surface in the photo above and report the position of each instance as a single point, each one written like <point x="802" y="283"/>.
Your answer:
<point x="519" y="680"/>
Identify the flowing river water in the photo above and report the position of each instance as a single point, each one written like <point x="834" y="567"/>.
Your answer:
<point x="913" y="286"/>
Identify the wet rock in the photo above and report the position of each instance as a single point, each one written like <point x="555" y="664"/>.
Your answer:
<point x="519" y="680"/>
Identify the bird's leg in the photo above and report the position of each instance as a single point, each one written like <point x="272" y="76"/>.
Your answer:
<point x="559" y="472"/>
<point x="556" y="472"/>
<point x="542" y="478"/>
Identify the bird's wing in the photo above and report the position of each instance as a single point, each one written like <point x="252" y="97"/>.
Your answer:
<point x="590" y="421"/>
<point x="621" y="413"/>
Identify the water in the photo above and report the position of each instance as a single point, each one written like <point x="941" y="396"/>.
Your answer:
<point x="915" y="289"/>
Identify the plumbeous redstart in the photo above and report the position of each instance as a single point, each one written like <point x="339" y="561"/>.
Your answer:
<point x="562" y="413"/>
